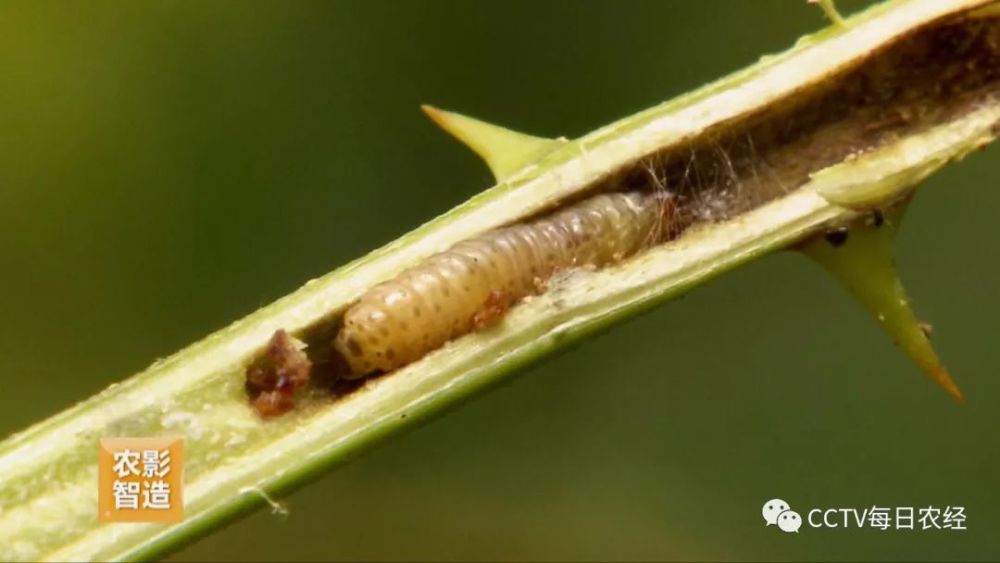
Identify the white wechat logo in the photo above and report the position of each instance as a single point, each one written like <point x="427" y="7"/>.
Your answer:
<point x="778" y="512"/>
<point x="789" y="521"/>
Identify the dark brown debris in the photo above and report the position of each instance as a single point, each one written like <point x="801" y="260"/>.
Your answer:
<point x="273" y="380"/>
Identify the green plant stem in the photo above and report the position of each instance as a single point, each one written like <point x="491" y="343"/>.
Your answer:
<point x="234" y="459"/>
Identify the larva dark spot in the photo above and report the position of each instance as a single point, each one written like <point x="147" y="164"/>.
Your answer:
<point x="837" y="238"/>
<point x="878" y="219"/>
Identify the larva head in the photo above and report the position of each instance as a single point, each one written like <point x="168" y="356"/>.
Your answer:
<point x="366" y="341"/>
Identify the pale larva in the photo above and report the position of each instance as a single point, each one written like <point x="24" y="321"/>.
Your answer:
<point x="454" y="292"/>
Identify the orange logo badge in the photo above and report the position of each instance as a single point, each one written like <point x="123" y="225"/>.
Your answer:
<point x="140" y="480"/>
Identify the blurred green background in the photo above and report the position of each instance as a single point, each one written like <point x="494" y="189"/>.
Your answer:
<point x="168" y="167"/>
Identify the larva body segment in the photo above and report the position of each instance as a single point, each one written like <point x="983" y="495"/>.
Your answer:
<point x="399" y="321"/>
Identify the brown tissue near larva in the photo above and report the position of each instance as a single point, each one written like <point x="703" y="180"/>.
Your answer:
<point x="945" y="69"/>
<point x="273" y="380"/>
